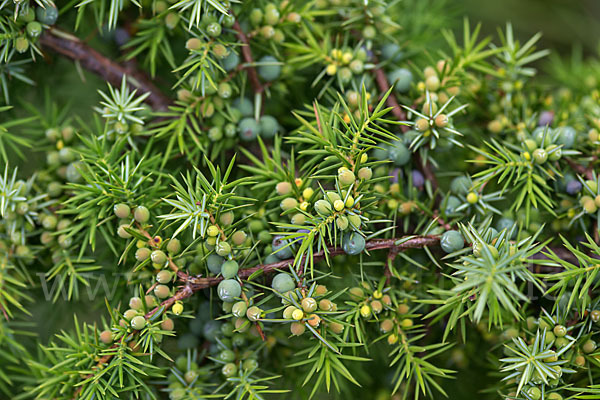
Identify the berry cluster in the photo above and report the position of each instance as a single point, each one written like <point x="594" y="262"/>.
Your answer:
<point x="31" y="21"/>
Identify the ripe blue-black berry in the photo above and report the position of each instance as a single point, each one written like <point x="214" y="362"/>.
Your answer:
<point x="231" y="61"/>
<point x="566" y="136"/>
<point x="399" y="154"/>
<point x="279" y="248"/>
<point x="268" y="126"/>
<point x="391" y="51"/>
<point x="353" y="243"/>
<point x="248" y="129"/>
<point x="418" y="179"/>
<point x="401" y="78"/>
<point x="546" y="118"/>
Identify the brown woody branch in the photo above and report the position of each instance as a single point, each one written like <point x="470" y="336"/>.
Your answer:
<point x="193" y="284"/>
<point x="72" y="47"/>
<point x="391" y="101"/>
<point x="247" y="54"/>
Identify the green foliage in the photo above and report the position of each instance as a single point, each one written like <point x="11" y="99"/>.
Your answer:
<point x="293" y="199"/>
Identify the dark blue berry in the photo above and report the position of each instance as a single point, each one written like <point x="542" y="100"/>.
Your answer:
<point x="353" y="243"/>
<point x="279" y="248"/>
<point x="573" y="187"/>
<point x="418" y="179"/>
<point x="546" y="118"/>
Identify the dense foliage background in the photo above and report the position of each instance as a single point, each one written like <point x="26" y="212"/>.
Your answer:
<point x="150" y="105"/>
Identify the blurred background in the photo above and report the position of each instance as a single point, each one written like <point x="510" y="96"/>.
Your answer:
<point x="564" y="23"/>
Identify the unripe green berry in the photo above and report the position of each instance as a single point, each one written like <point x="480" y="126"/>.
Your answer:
<point x="239" y="309"/>
<point x="135" y="303"/>
<point x="269" y="68"/>
<point x="540" y="156"/>
<point x="164" y="276"/>
<point x="174" y="246"/>
<point x="365" y="311"/>
<point x="267" y="32"/>
<point x="353" y="243"/>
<point x="472" y="198"/>
<point x="297" y="328"/>
<point x="309" y="304"/>
<point x="121" y="210"/>
<point x="161" y="291"/>
<point x="141" y="214"/>
<point x="158" y="257"/>
<point x="223" y="249"/>
<point x="193" y="44"/>
<point x="138" y="322"/>
<point x="452" y="241"/>
<point x="142" y="254"/>
<point x="34" y="29"/>
<point x="47" y="15"/>
<point x="229" y="269"/>
<point x="346" y="177"/>
<point x="213" y="29"/>
<point x="288" y="203"/>
<point x="386" y="325"/>
<point x="282" y="283"/>
<point x="106" y="337"/>
<point x="248" y="129"/>
<point x="253" y="313"/>
<point x="229" y="370"/>
<point x="365" y="173"/>
<point x="589" y="346"/>
<point x="227" y="356"/>
<point x="534" y="393"/>
<point x="21" y="45"/>
<point x="256" y="16"/>
<point x="323" y="207"/>
<point x="560" y="331"/>
<point x="336" y="327"/>
<point x="65" y="241"/>
<point x="130" y="314"/>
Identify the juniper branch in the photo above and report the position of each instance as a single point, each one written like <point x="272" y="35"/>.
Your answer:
<point x="75" y="49"/>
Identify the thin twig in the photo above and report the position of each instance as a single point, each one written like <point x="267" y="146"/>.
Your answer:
<point x="72" y="47"/>
<point x="391" y="101"/>
<point x="247" y="54"/>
